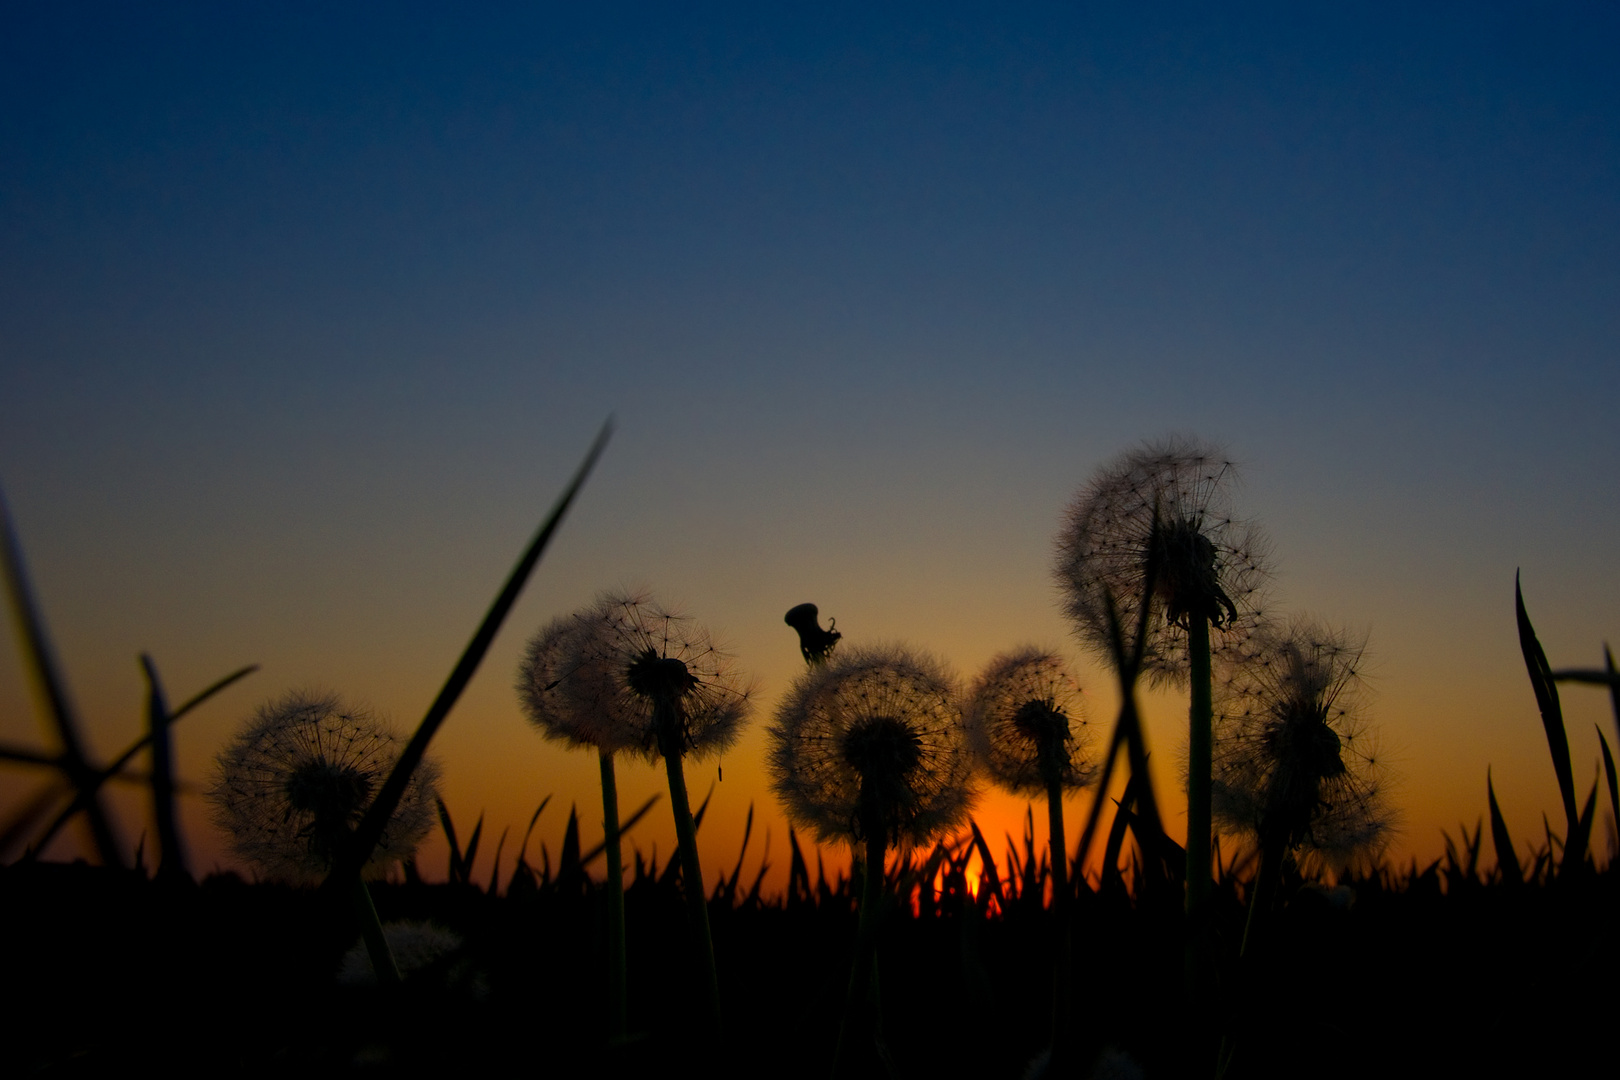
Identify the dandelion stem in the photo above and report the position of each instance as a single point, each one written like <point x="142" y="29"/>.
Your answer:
<point x="618" y="1009"/>
<point x="1062" y="930"/>
<point x="382" y="958"/>
<point x="697" y="906"/>
<point x="1199" y="769"/>
<point x="863" y="973"/>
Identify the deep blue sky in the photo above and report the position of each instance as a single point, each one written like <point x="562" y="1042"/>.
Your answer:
<point x="304" y="316"/>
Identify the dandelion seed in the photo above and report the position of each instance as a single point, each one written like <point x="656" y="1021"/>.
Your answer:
<point x="1164" y="509"/>
<point x="873" y="739"/>
<point x="655" y="681"/>
<point x="290" y="788"/>
<point x="1295" y="767"/>
<point x="1026" y="722"/>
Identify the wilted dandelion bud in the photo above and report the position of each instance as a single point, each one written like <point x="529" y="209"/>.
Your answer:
<point x="1162" y="510"/>
<point x="873" y="739"/>
<point x="290" y="788"/>
<point x="1294" y="763"/>
<point x="815" y="643"/>
<point x="1026" y="723"/>
<point x="654" y="680"/>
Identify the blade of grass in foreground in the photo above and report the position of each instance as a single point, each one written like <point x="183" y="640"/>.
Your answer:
<point x="1552" y="714"/>
<point x="42" y="659"/>
<point x="1507" y="863"/>
<point x="358" y="851"/>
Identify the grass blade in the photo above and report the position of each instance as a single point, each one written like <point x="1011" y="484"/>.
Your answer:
<point x="1507" y="863"/>
<point x="1552" y="714"/>
<point x="42" y="661"/>
<point x="371" y="826"/>
<point x="171" y="855"/>
<point x="1614" y="789"/>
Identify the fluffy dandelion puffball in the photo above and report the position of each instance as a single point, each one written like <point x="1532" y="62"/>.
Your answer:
<point x="639" y="666"/>
<point x="291" y="786"/>
<point x="1165" y="506"/>
<point x="550" y="692"/>
<point x="1295" y="764"/>
<point x="1026" y="722"/>
<point x="874" y="734"/>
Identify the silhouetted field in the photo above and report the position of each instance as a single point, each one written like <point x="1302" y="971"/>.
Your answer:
<point x="1443" y="971"/>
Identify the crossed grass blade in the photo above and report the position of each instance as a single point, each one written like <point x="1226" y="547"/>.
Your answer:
<point x="42" y="662"/>
<point x="86" y="791"/>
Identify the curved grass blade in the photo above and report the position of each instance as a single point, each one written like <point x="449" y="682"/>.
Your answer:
<point x="1614" y="788"/>
<point x="1552" y="714"/>
<point x="171" y="855"/>
<point x="1507" y="863"/>
<point x="369" y="831"/>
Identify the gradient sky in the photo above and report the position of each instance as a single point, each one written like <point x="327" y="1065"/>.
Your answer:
<point x="306" y="316"/>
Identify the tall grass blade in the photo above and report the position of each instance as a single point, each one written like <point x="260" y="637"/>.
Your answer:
<point x="171" y="855"/>
<point x="1552" y="714"/>
<point x="449" y="828"/>
<point x="798" y="873"/>
<point x="1507" y="863"/>
<point x="47" y="675"/>
<point x="1614" y="789"/>
<point x="988" y="877"/>
<point x="358" y="851"/>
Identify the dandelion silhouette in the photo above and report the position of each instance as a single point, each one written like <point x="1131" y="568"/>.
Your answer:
<point x="1151" y="546"/>
<point x="547" y="691"/>
<point x="657" y="681"/>
<point x="290" y="787"/>
<point x="1295" y="769"/>
<point x="1026" y="724"/>
<point x="869" y="749"/>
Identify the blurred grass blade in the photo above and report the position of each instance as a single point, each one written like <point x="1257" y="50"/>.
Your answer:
<point x="495" y="871"/>
<point x="86" y="791"/>
<point x="364" y="841"/>
<point x="42" y="661"/>
<point x="449" y="828"/>
<point x="1614" y="789"/>
<point x="1507" y="863"/>
<point x="171" y="855"/>
<point x="1575" y="847"/>
<point x="1552" y="715"/>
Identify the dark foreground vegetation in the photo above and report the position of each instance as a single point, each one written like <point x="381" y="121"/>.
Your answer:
<point x="1446" y="970"/>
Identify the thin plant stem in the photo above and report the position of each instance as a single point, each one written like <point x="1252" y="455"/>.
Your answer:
<point x="864" y="970"/>
<point x="1062" y="920"/>
<point x="618" y="996"/>
<point x="382" y="957"/>
<point x="1200" y="757"/>
<point x="697" y="905"/>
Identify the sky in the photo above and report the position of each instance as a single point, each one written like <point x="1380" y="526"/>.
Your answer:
<point x="307" y="313"/>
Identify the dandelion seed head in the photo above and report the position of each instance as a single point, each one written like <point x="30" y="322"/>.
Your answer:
<point x="873" y="734"/>
<point x="639" y="665"/>
<point x="549" y="691"/>
<point x="1164" y="505"/>
<point x="290" y="788"/>
<point x="1294" y="758"/>
<point x="1026" y="720"/>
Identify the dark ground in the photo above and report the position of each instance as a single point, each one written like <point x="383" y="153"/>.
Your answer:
<point x="108" y="972"/>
